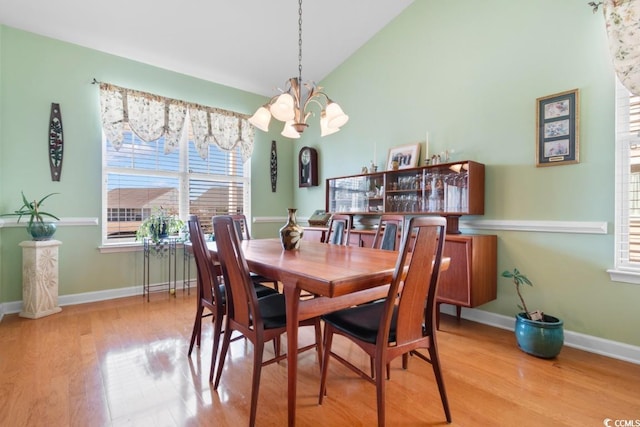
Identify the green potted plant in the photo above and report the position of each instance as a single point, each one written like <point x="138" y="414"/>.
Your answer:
<point x="537" y="333"/>
<point x="37" y="226"/>
<point x="159" y="225"/>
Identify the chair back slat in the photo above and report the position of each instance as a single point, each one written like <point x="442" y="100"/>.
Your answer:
<point x="240" y="222"/>
<point x="414" y="284"/>
<point x="339" y="230"/>
<point x="389" y="228"/>
<point x="241" y="294"/>
<point x="208" y="284"/>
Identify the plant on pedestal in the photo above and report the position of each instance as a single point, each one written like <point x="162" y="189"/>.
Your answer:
<point x="37" y="226"/>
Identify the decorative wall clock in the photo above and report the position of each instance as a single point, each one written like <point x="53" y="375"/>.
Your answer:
<point x="273" y="163"/>
<point x="308" y="167"/>
<point x="55" y="142"/>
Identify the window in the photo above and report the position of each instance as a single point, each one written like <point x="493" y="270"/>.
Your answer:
<point x="139" y="178"/>
<point x="627" y="245"/>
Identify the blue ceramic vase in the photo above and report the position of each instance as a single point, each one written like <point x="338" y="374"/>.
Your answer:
<point x="541" y="339"/>
<point x="42" y="230"/>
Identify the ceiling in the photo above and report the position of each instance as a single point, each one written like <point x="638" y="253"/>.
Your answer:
<point x="246" y="44"/>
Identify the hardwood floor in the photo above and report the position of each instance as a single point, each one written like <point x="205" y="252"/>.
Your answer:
<point x="124" y="363"/>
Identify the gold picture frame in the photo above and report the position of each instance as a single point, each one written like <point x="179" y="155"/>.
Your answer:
<point x="557" y="129"/>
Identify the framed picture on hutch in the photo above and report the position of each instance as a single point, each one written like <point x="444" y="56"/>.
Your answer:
<point x="557" y="128"/>
<point x="403" y="157"/>
<point x="307" y="167"/>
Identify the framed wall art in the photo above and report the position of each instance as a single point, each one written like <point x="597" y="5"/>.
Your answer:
<point x="557" y="128"/>
<point x="403" y="157"/>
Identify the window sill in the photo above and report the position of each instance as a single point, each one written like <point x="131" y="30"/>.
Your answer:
<point x="626" y="276"/>
<point x="120" y="247"/>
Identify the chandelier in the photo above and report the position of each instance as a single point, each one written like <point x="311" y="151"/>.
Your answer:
<point x="291" y="106"/>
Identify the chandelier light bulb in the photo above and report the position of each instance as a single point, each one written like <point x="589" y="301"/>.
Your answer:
<point x="324" y="125"/>
<point x="283" y="109"/>
<point x="335" y="116"/>
<point x="261" y="119"/>
<point x="289" y="131"/>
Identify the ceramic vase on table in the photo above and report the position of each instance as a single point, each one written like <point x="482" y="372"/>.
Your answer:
<point x="291" y="233"/>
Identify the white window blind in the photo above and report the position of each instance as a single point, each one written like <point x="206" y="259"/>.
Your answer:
<point x="627" y="256"/>
<point x="140" y="178"/>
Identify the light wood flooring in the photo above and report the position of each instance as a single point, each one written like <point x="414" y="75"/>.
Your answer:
<point x="124" y="363"/>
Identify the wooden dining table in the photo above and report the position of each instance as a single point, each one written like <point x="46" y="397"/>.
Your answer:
<point x="338" y="277"/>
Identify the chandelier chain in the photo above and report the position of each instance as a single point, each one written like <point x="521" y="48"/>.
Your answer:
<point x="300" y="41"/>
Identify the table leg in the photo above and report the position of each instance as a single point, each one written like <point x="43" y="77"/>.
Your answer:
<point x="292" y="298"/>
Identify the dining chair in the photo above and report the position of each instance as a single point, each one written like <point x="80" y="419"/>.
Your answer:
<point x="240" y="222"/>
<point x="210" y="294"/>
<point x="387" y="232"/>
<point x="258" y="319"/>
<point x="211" y="298"/>
<point x="339" y="230"/>
<point x="396" y="325"/>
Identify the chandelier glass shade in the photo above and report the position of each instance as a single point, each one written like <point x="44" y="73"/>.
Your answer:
<point x="291" y="106"/>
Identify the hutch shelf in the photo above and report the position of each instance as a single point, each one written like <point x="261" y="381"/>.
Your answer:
<point x="448" y="189"/>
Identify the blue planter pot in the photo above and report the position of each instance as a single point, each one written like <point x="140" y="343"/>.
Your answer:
<point x="541" y="339"/>
<point x="42" y="230"/>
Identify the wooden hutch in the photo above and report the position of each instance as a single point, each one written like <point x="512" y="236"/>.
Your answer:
<point x="448" y="189"/>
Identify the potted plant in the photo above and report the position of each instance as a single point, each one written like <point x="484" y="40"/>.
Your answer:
<point x="159" y="225"/>
<point x="537" y="333"/>
<point x="37" y="226"/>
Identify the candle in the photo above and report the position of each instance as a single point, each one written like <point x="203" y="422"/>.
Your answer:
<point x="426" y="151"/>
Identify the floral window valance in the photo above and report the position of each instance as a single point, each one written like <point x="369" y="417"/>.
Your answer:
<point x="151" y="117"/>
<point x="622" y="19"/>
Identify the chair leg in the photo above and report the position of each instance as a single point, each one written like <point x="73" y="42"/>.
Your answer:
<point x="435" y="363"/>
<point x="380" y="390"/>
<point x="324" y="366"/>
<point x="197" y="326"/>
<point x="318" y="328"/>
<point x="223" y="354"/>
<point x="258" y="349"/>
<point x="277" y="346"/>
<point x="217" y="330"/>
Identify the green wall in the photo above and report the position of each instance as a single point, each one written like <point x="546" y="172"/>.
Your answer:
<point x="37" y="71"/>
<point x="469" y="73"/>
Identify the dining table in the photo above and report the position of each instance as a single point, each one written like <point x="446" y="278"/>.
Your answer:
<point x="336" y="276"/>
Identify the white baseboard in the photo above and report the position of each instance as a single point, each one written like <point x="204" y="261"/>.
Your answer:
<point x="604" y="347"/>
<point x="85" y="297"/>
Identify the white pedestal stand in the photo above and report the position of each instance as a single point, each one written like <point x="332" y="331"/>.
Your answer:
<point x="39" y="278"/>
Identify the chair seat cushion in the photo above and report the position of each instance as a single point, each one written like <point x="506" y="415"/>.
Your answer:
<point x="260" y="278"/>
<point x="362" y="321"/>
<point x="273" y="311"/>
<point x="263" y="291"/>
